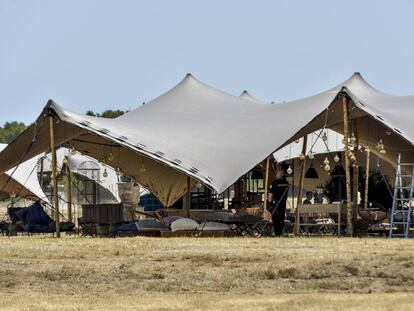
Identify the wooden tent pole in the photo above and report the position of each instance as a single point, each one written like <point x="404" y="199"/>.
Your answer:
<point x="349" y="214"/>
<point x="54" y="172"/>
<point x="266" y="186"/>
<point x="366" y="178"/>
<point x="301" y="183"/>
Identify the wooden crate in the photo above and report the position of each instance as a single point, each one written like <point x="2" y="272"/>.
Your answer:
<point x="102" y="213"/>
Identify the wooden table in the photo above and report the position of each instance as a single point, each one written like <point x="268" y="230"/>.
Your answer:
<point x="308" y="210"/>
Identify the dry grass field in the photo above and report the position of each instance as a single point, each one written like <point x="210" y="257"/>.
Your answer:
<point x="42" y="273"/>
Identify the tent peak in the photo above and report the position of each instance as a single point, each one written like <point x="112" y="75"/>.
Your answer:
<point x="246" y="95"/>
<point x="189" y="77"/>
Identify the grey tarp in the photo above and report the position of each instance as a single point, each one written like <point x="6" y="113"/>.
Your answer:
<point x="198" y="131"/>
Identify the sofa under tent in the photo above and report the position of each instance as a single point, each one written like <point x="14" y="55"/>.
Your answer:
<point x="179" y="140"/>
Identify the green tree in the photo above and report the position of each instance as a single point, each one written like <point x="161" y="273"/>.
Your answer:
<point x="109" y="114"/>
<point x="90" y="113"/>
<point x="112" y="114"/>
<point x="10" y="131"/>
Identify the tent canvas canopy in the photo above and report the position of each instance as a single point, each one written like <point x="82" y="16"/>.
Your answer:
<point x="198" y="131"/>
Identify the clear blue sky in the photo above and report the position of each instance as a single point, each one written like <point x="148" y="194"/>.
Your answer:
<point x="116" y="54"/>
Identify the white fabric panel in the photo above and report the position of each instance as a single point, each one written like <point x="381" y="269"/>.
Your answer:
<point x="24" y="181"/>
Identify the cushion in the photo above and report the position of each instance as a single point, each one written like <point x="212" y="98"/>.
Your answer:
<point x="184" y="224"/>
<point x="170" y="219"/>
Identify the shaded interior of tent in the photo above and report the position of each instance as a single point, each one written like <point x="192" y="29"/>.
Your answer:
<point x="375" y="140"/>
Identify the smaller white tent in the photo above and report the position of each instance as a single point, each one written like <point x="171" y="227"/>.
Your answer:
<point x="22" y="181"/>
<point x="83" y="165"/>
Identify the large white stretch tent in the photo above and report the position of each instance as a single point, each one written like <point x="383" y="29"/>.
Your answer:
<point x="213" y="137"/>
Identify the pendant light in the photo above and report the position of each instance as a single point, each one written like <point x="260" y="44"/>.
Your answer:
<point x="105" y="173"/>
<point x="324" y="136"/>
<point x="327" y="166"/>
<point x="337" y="158"/>
<point x="118" y="171"/>
<point x="289" y="170"/>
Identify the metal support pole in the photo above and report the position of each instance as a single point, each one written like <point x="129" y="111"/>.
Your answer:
<point x="349" y="214"/>
<point x="68" y="185"/>
<point x="54" y="172"/>
<point x="301" y="184"/>
<point x="355" y="165"/>
<point x="188" y="197"/>
<point x="42" y="169"/>
<point x="366" y="179"/>
<point x="266" y="186"/>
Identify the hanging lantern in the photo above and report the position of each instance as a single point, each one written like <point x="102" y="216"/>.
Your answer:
<point x="311" y="155"/>
<point x="324" y="136"/>
<point x="326" y="161"/>
<point x="327" y="167"/>
<point x="105" y="173"/>
<point x="353" y="138"/>
<point x="337" y="158"/>
<point x="301" y="156"/>
<point x="289" y="170"/>
<point x="380" y="145"/>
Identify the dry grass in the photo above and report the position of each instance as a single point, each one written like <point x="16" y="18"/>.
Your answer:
<point x="213" y="274"/>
